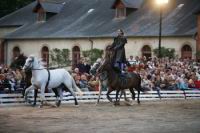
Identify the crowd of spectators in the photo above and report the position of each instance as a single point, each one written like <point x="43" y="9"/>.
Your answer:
<point x="156" y="74"/>
<point x="11" y="80"/>
<point x="165" y="73"/>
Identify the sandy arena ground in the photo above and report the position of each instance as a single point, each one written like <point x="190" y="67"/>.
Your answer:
<point x="180" y="116"/>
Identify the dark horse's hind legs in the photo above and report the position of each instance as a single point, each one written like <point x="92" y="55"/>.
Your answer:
<point x="133" y="93"/>
<point x="117" y="94"/>
<point x="138" y="98"/>
<point x="109" y="91"/>
<point x="75" y="100"/>
<point x="57" y="95"/>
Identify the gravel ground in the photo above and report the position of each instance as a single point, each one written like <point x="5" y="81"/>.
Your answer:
<point x="172" y="116"/>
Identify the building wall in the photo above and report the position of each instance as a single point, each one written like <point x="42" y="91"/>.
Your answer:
<point x="133" y="47"/>
<point x="4" y="31"/>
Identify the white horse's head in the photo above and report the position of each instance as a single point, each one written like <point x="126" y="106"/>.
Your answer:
<point x="32" y="63"/>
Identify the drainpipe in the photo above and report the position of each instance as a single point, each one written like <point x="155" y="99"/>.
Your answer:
<point x="92" y="45"/>
<point x="91" y="42"/>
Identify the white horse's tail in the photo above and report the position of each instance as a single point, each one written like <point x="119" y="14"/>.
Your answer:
<point x="76" y="87"/>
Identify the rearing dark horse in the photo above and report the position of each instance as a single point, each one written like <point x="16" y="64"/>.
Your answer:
<point x="130" y="81"/>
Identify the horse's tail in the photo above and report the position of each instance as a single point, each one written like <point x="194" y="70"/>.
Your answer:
<point x="76" y="87"/>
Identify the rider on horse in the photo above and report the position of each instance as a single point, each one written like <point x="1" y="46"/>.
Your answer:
<point x="119" y="58"/>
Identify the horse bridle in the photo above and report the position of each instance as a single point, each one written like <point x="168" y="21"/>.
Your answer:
<point x="31" y="67"/>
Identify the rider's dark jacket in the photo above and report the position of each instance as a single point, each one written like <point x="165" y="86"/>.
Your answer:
<point x="118" y="46"/>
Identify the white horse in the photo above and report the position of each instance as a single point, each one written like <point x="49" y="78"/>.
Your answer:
<point x="42" y="79"/>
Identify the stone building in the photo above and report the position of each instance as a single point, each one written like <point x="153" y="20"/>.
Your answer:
<point x="85" y="24"/>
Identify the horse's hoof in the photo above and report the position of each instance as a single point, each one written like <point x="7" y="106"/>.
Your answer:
<point x="77" y="105"/>
<point x="116" y="103"/>
<point x="33" y="105"/>
<point x="128" y="103"/>
<point x="127" y="100"/>
<point x="110" y="100"/>
<point x="58" y="103"/>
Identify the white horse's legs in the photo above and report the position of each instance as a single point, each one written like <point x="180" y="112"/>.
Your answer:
<point x="27" y="91"/>
<point x="70" y="88"/>
<point x="42" y="96"/>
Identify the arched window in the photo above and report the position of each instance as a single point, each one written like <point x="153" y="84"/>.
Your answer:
<point x="186" y="52"/>
<point x="16" y="52"/>
<point x="146" y="51"/>
<point x="45" y="54"/>
<point x="75" y="55"/>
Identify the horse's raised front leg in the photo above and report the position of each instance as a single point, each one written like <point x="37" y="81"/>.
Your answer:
<point x="27" y="91"/>
<point x="42" y="96"/>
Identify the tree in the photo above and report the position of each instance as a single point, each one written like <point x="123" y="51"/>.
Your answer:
<point x="9" y="6"/>
<point x="59" y="57"/>
<point x="165" y="52"/>
<point x="93" y="54"/>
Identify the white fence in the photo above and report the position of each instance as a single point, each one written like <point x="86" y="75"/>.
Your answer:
<point x="17" y="99"/>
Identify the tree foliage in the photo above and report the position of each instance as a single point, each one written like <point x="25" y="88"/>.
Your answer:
<point x="59" y="57"/>
<point x="9" y="6"/>
<point x="93" y="54"/>
<point x="165" y="52"/>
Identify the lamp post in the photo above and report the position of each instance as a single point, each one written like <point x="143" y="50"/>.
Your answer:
<point x="160" y="3"/>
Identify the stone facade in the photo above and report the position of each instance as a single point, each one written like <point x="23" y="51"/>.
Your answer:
<point x="134" y="46"/>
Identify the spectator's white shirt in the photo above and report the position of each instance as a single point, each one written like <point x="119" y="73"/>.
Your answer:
<point x="198" y="75"/>
<point x="132" y="61"/>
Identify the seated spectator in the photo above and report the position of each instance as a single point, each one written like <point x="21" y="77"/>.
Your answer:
<point x="146" y="83"/>
<point x="94" y="83"/>
<point x="84" y="83"/>
<point x="76" y="73"/>
<point x="77" y="80"/>
<point x="181" y="83"/>
<point x="191" y="83"/>
<point x="197" y="84"/>
<point x="18" y="78"/>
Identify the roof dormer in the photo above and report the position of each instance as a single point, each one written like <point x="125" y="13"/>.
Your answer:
<point x="46" y="10"/>
<point x="125" y="7"/>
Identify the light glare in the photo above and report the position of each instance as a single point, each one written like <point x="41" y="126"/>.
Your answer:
<point x="161" y="2"/>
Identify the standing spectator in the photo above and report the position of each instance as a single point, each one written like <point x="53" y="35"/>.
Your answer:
<point x="131" y="62"/>
<point x="87" y="67"/>
<point x="81" y="66"/>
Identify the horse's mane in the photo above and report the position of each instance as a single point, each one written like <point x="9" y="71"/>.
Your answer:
<point x="109" y="53"/>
